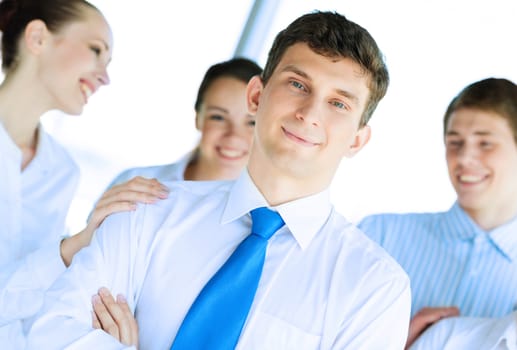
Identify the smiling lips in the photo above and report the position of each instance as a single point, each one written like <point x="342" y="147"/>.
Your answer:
<point x="471" y="179"/>
<point x="299" y="140"/>
<point x="230" y="153"/>
<point x="86" y="89"/>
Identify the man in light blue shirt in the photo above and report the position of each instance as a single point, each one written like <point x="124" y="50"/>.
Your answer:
<point x="324" y="284"/>
<point x="464" y="261"/>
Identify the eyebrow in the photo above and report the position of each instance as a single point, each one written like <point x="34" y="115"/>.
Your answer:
<point x="477" y="133"/>
<point x="344" y="93"/>
<point x="224" y="110"/>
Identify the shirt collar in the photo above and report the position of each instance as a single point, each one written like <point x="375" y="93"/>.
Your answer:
<point x="505" y="238"/>
<point x="7" y="144"/>
<point x="44" y="158"/>
<point x="304" y="217"/>
<point x="457" y="224"/>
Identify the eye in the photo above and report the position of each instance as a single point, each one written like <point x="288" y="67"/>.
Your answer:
<point x="486" y="144"/>
<point x="339" y="104"/>
<point x="454" y="144"/>
<point x="297" y="85"/>
<point x="96" y="50"/>
<point x="216" y="117"/>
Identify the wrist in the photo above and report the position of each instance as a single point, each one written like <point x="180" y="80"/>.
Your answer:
<point x="71" y="245"/>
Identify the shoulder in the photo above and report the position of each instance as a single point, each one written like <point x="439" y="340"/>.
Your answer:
<point x="188" y="198"/>
<point x="367" y="254"/>
<point x="397" y="221"/>
<point x="363" y="269"/>
<point x="165" y="172"/>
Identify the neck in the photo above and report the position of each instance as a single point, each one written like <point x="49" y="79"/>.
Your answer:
<point x="279" y="188"/>
<point x="20" y="110"/>
<point x="198" y="170"/>
<point x="493" y="218"/>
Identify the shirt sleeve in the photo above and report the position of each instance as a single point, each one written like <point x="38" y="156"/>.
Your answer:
<point x="65" y="319"/>
<point x="470" y="333"/>
<point x="23" y="282"/>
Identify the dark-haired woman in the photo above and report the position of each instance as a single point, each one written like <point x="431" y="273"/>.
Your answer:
<point x="54" y="57"/>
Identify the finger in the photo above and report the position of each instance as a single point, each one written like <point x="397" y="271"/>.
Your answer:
<point x="141" y="184"/>
<point x="106" y="321"/>
<point x="451" y="311"/>
<point x="102" y="213"/>
<point x="130" y="333"/>
<point x="95" y="321"/>
<point x="126" y="195"/>
<point x="120" y="314"/>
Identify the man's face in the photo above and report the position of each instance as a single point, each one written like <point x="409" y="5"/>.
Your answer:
<point x="482" y="160"/>
<point x="307" y="116"/>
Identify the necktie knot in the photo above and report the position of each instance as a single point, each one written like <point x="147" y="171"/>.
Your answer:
<point x="265" y="222"/>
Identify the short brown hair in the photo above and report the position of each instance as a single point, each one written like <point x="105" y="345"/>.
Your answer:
<point x="333" y="35"/>
<point x="491" y="95"/>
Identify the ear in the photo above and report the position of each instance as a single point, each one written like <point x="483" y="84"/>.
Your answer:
<point x="253" y="92"/>
<point x="361" y="138"/>
<point x="199" y="121"/>
<point x="35" y="35"/>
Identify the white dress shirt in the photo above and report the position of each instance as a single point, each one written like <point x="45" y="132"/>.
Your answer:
<point x="469" y="333"/>
<point x="324" y="285"/>
<point x="33" y="207"/>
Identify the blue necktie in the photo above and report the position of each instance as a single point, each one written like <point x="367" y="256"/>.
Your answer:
<point x="215" y="319"/>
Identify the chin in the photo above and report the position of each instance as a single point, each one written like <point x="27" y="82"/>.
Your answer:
<point x="73" y="110"/>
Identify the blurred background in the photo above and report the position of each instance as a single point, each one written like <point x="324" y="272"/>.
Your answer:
<point x="162" y="49"/>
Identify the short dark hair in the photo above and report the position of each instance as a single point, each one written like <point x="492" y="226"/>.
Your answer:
<point x="496" y="95"/>
<point x="16" y="14"/>
<point x="333" y="35"/>
<point x="239" y="68"/>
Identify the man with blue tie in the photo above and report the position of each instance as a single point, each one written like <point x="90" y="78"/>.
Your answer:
<point x="305" y="278"/>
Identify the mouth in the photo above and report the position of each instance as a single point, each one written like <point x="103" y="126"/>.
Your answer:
<point x="299" y="140"/>
<point x="469" y="179"/>
<point x="86" y="89"/>
<point x="230" y="153"/>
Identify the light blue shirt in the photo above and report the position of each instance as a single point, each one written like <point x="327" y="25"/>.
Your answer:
<point x="451" y="261"/>
<point x="324" y="285"/>
<point x="33" y="208"/>
<point x="166" y="172"/>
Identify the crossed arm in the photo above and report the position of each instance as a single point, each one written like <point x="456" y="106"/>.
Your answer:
<point x="425" y="318"/>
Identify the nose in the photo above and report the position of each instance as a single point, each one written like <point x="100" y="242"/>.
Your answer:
<point x="235" y="130"/>
<point x="309" y="112"/>
<point x="467" y="154"/>
<point x="103" y="76"/>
